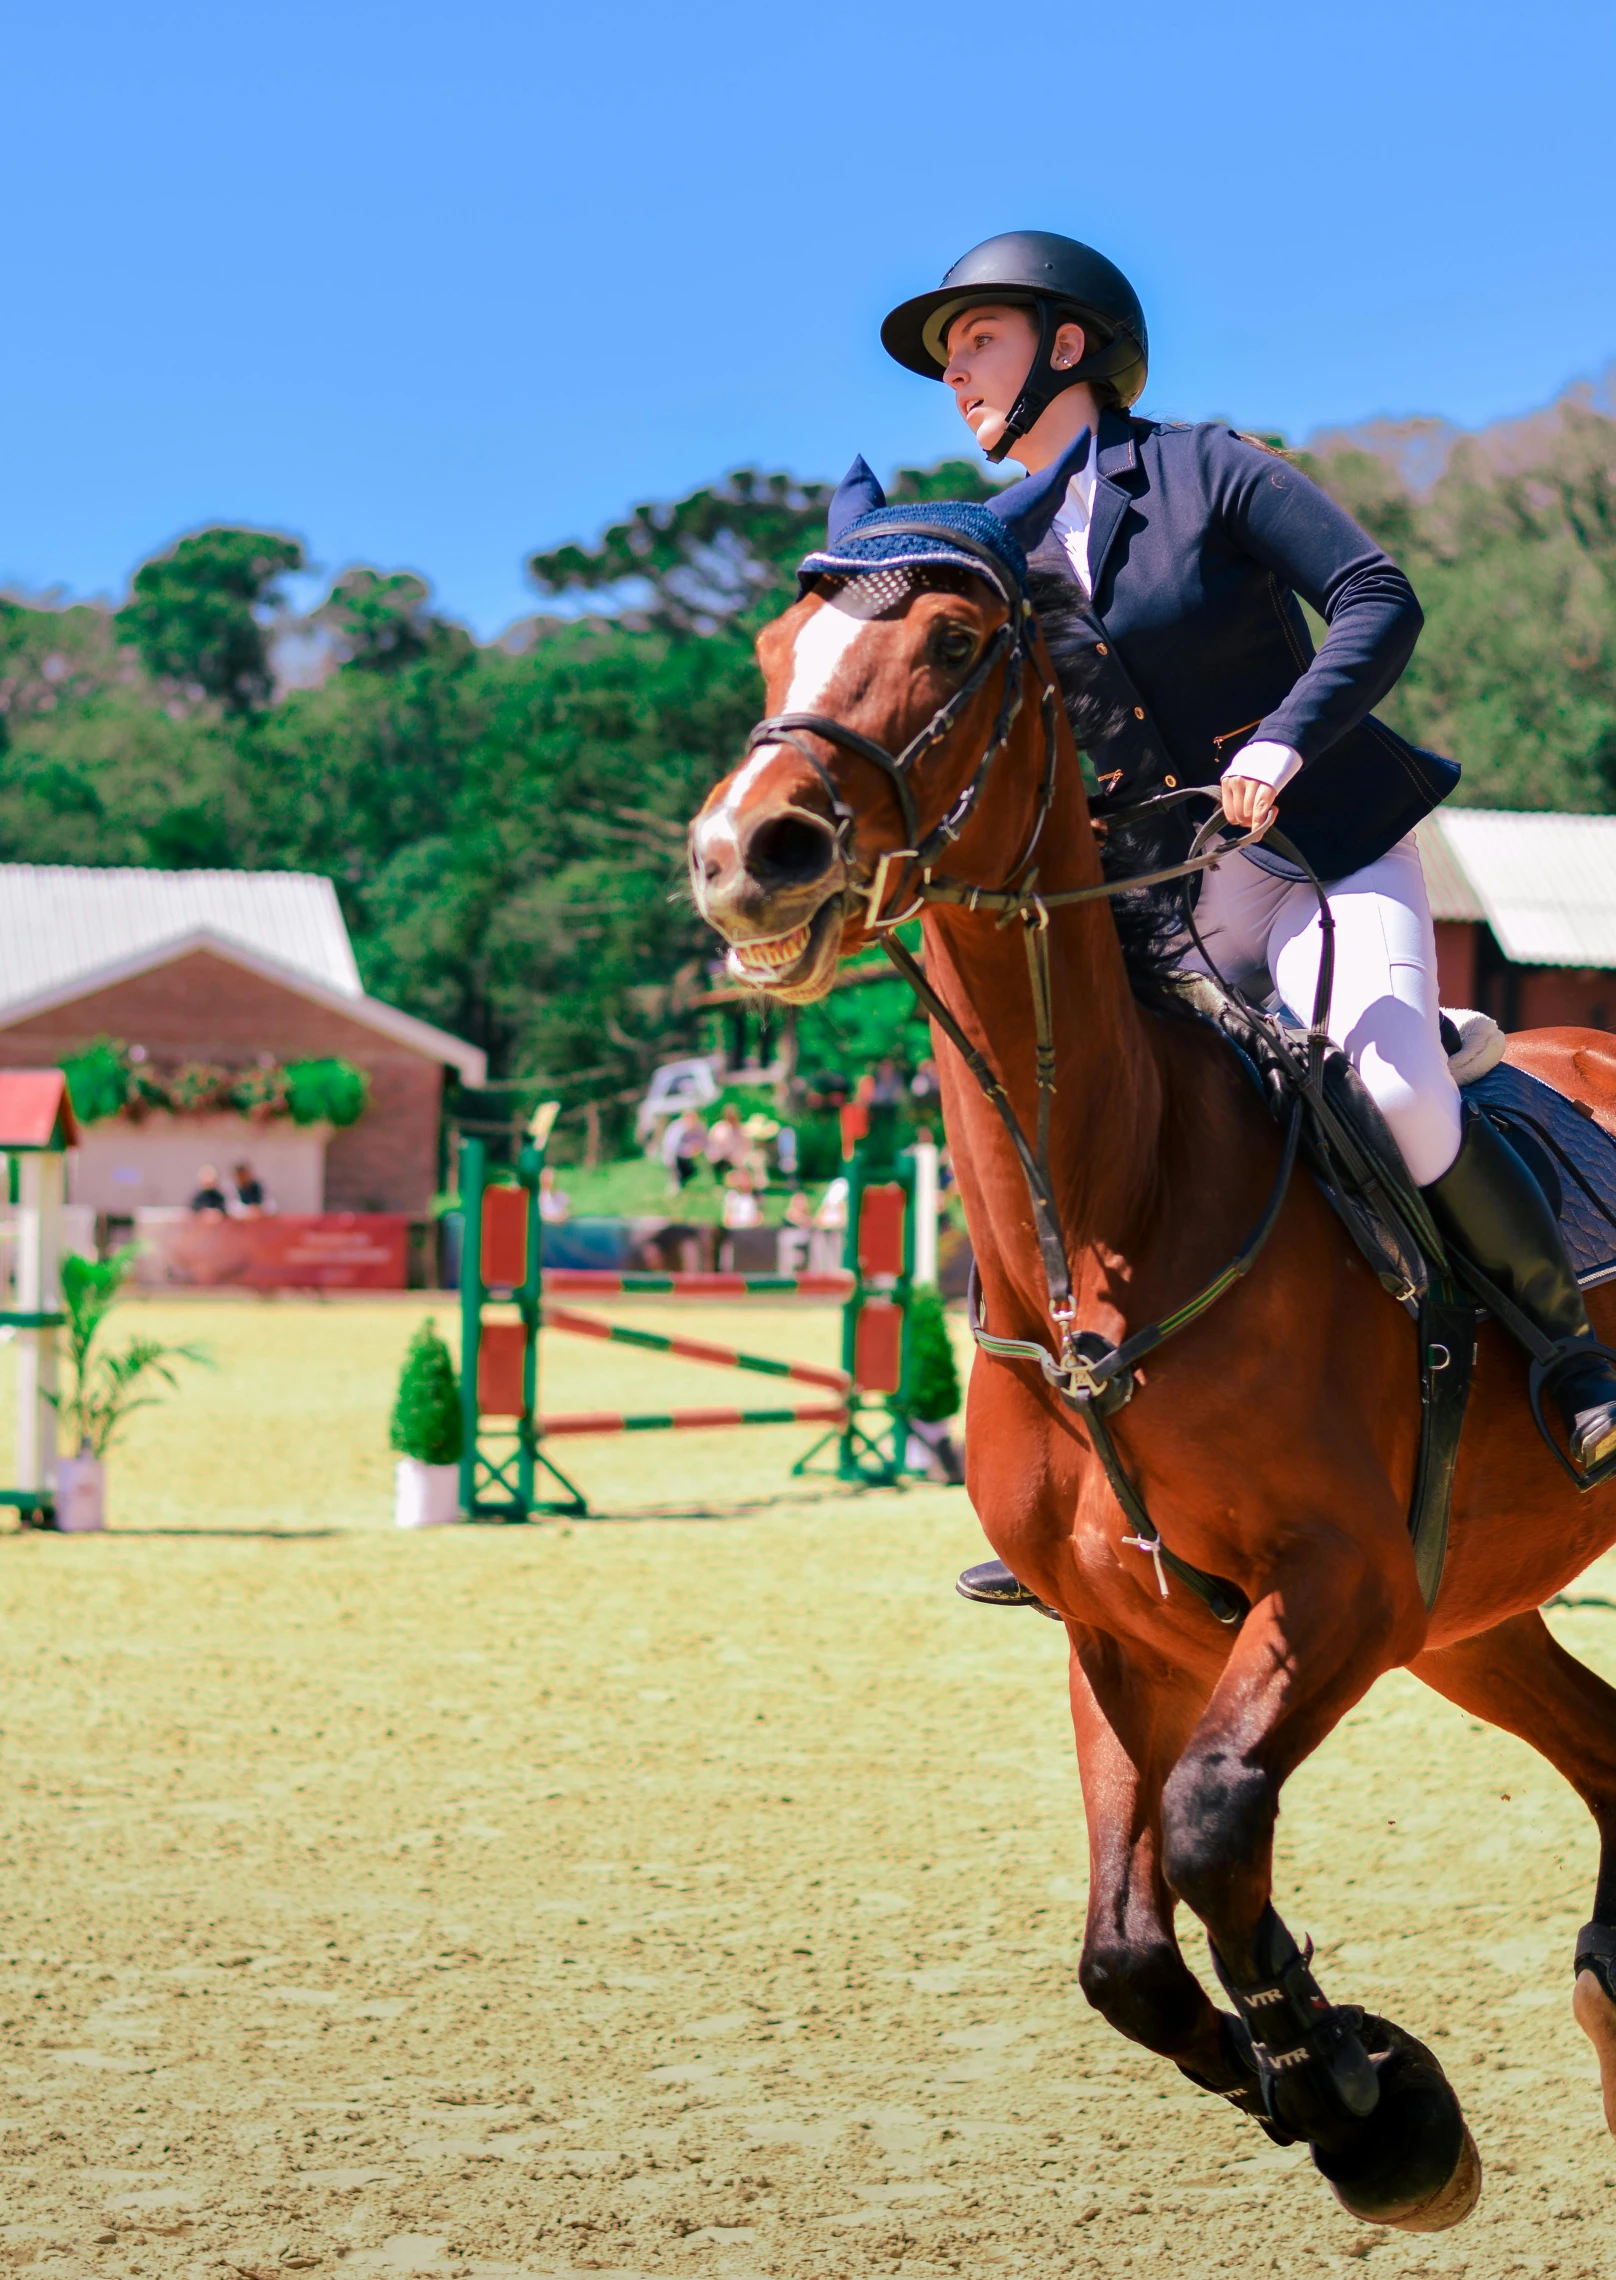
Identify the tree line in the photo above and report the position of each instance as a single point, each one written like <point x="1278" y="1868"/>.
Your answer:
<point x="504" y="821"/>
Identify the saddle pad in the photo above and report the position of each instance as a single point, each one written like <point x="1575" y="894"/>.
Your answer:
<point x="1582" y="1153"/>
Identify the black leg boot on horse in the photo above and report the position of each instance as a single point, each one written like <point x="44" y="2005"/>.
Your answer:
<point x="1491" y="1208"/>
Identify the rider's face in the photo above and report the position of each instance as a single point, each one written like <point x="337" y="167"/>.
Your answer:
<point x="990" y="353"/>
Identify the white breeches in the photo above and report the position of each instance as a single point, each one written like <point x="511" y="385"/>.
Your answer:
<point x="1384" y="1008"/>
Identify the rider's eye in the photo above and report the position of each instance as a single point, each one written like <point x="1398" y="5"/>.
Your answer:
<point x="953" y="645"/>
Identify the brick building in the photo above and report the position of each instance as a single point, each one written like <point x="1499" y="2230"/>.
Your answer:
<point x="229" y="967"/>
<point x="1525" y="910"/>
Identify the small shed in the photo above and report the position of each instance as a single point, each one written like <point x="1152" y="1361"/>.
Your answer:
<point x="232" y="969"/>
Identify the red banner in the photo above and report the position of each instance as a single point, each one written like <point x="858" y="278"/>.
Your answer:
<point x="328" y="1250"/>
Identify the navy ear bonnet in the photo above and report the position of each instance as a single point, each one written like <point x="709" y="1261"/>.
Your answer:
<point x="860" y="536"/>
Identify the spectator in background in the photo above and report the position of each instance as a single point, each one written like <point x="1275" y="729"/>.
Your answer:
<point x="785" y="1152"/>
<point x="795" y="1237"/>
<point x="830" y="1229"/>
<point x="759" y="1130"/>
<point x="555" y="1204"/>
<point x="684" y="1144"/>
<point x="726" y="1142"/>
<point x="741" y="1209"/>
<point x="924" y="1087"/>
<point x="250" y="1201"/>
<point x="210" y="1200"/>
<point x="886" y="1089"/>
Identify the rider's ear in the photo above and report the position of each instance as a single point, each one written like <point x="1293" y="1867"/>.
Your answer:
<point x="1029" y="507"/>
<point x="857" y="494"/>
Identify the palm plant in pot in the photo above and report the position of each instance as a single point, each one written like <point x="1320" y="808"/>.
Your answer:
<point x="426" y="1432"/>
<point x="104" y="1388"/>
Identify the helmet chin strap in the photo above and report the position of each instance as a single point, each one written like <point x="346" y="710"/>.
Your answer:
<point x="1045" y="381"/>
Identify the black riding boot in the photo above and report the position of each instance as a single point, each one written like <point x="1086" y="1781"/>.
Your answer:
<point x="1488" y="1204"/>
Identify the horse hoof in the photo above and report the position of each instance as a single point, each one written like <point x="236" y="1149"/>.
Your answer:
<point x="1595" y="2013"/>
<point x="1412" y="2165"/>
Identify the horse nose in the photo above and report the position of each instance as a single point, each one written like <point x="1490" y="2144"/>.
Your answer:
<point x="792" y="849"/>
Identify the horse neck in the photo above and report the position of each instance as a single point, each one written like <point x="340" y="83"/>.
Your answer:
<point x="1107" y="1110"/>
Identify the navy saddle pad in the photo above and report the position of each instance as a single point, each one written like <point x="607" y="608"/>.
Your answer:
<point x="1577" y="1154"/>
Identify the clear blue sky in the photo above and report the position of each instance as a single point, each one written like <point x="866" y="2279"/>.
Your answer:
<point x="432" y="285"/>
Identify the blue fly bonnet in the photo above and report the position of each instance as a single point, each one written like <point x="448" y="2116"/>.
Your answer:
<point x="864" y="535"/>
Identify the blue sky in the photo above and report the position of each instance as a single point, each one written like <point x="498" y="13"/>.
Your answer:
<point x="432" y="286"/>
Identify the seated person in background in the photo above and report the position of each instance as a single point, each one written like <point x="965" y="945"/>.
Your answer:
<point x="554" y="1203"/>
<point x="791" y="1249"/>
<point x="726" y="1142"/>
<point x="210" y="1199"/>
<point x="684" y="1145"/>
<point x="741" y="1206"/>
<point x="249" y="1192"/>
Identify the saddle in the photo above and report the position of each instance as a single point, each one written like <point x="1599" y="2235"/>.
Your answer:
<point x="1357" y="1165"/>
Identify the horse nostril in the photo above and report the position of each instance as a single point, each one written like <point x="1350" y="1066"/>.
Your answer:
<point x="790" y="850"/>
<point x="711" y="868"/>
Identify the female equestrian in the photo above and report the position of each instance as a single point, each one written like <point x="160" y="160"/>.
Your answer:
<point x="1190" y="546"/>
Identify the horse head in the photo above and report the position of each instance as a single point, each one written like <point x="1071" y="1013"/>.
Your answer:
<point x="894" y="684"/>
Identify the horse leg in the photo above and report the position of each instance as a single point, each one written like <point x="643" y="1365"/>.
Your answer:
<point x="1383" y="2124"/>
<point x="1519" y="1677"/>
<point x="1130" y="1721"/>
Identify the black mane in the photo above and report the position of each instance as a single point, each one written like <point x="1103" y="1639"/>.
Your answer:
<point x="1148" y="922"/>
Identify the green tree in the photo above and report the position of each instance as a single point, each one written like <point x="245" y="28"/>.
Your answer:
<point x="380" y="624"/>
<point x="724" y="552"/>
<point x="426" y="1422"/>
<point x="197" y="613"/>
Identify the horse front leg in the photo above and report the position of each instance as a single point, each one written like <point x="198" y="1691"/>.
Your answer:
<point x="1519" y="1677"/>
<point x="1383" y="2124"/>
<point x="1131" y="1718"/>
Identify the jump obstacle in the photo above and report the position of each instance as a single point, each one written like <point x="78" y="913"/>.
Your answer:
<point x="505" y="1473"/>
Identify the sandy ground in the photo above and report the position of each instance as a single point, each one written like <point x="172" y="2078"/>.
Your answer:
<point x="670" y="1895"/>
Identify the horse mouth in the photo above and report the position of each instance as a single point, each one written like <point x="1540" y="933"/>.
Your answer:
<point x="796" y="965"/>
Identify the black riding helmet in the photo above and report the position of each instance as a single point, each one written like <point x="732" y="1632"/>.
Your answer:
<point x="1064" y="282"/>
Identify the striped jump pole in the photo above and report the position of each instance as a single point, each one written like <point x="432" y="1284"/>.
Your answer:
<point x="602" y="1282"/>
<point x="697" y="1350"/>
<point x="689" y="1420"/>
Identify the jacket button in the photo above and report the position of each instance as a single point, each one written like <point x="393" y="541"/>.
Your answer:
<point x="1100" y="650"/>
<point x="1171" y="782"/>
<point x="1138" y="712"/>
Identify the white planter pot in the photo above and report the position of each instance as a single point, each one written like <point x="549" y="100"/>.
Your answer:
<point x="81" y="1495"/>
<point x="425" y="1496"/>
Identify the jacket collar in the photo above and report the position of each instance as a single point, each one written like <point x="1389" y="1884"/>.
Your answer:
<point x="1118" y="456"/>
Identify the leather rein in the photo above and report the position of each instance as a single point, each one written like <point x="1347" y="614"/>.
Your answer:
<point x="1087" y="1372"/>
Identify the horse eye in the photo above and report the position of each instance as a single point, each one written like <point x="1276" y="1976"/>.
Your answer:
<point x="953" y="645"/>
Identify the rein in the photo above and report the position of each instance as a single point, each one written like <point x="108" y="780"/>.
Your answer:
<point x="1088" y="1373"/>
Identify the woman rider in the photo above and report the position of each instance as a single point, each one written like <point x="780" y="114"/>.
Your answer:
<point x="1190" y="546"/>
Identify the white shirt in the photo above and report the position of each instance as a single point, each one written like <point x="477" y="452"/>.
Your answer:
<point x="1267" y="763"/>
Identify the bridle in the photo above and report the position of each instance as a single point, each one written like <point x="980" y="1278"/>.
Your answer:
<point x="1088" y="1372"/>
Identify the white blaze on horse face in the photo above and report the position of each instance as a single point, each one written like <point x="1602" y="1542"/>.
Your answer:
<point x="817" y="653"/>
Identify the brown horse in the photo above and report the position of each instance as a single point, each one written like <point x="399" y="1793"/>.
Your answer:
<point x="1274" y="1441"/>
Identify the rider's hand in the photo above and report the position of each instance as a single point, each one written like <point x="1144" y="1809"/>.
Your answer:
<point x="1248" y="803"/>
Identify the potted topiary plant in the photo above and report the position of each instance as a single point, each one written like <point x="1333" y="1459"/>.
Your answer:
<point x="426" y="1432"/>
<point x="105" y="1388"/>
<point x="934" y="1389"/>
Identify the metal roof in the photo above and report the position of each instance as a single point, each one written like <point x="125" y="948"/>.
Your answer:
<point x="1545" y="884"/>
<point x="65" y="932"/>
<point x="58" y="921"/>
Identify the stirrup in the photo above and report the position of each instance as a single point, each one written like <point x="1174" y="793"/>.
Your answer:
<point x="992" y="1585"/>
<point x="1588" y="1470"/>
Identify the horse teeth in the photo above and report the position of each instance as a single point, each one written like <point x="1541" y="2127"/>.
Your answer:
<point x="768" y="957"/>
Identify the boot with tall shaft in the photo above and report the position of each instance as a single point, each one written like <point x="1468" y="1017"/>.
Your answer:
<point x="1488" y="1205"/>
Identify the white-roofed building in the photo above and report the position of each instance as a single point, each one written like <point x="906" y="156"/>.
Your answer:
<point x="231" y="969"/>
<point x="1525" y="910"/>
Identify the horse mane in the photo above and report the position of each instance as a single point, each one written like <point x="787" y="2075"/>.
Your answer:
<point x="1150" y="922"/>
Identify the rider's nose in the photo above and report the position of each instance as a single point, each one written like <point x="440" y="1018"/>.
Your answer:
<point x="790" y="850"/>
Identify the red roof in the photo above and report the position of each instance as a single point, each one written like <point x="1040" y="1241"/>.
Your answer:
<point x="36" y="1110"/>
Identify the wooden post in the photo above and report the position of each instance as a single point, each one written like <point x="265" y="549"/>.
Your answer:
<point x="925" y="1154"/>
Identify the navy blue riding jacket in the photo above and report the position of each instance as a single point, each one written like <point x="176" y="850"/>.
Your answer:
<point x="1199" y="544"/>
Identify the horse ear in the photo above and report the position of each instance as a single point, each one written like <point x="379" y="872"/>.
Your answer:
<point x="1028" y="508"/>
<point x="857" y="494"/>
